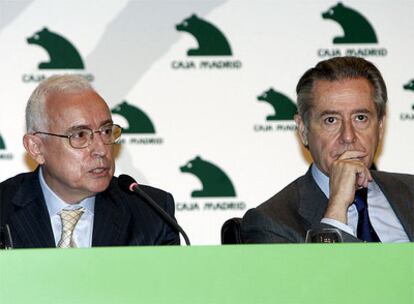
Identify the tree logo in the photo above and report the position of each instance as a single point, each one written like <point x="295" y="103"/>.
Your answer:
<point x="62" y="53"/>
<point x="283" y="106"/>
<point x="282" y="116"/>
<point x="4" y="155"/>
<point x="213" y="51"/>
<point x="211" y="41"/>
<point x="62" y="56"/>
<point x="2" y="144"/>
<point x="410" y="86"/>
<point x="356" y="27"/>
<point x="138" y="127"/>
<point x="358" y="39"/>
<point x="138" y="121"/>
<point x="215" y="183"/>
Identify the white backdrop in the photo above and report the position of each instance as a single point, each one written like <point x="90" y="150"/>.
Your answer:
<point x="208" y="105"/>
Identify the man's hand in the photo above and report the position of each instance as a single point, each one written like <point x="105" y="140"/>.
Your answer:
<point x="348" y="173"/>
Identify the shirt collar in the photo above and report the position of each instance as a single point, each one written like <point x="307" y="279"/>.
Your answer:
<point x="55" y="204"/>
<point x="321" y="179"/>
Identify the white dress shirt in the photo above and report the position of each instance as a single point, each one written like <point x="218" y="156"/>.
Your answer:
<point x="381" y="214"/>
<point x="82" y="235"/>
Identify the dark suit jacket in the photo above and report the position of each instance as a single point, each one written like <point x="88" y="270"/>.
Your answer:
<point x="300" y="206"/>
<point x="120" y="218"/>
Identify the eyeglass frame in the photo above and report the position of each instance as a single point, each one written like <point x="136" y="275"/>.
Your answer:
<point x="90" y="139"/>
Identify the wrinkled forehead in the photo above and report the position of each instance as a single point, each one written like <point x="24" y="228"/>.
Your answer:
<point x="68" y="109"/>
<point x="345" y="89"/>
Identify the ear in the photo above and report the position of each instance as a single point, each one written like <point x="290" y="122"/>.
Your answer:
<point x="33" y="145"/>
<point x="381" y="127"/>
<point x="302" y="131"/>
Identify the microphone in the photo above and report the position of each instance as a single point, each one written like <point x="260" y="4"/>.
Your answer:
<point x="128" y="184"/>
<point x="6" y="241"/>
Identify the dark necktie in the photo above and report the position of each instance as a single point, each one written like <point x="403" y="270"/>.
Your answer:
<point x="365" y="231"/>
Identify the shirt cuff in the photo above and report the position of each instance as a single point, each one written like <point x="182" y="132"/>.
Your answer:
<point x="339" y="225"/>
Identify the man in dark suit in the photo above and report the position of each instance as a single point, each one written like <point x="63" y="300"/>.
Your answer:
<point x="341" y="120"/>
<point x="72" y="199"/>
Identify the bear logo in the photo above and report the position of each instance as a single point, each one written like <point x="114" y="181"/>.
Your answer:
<point x="215" y="183"/>
<point x="2" y="144"/>
<point x="211" y="41"/>
<point x="356" y="27"/>
<point x="138" y="121"/>
<point x="410" y="86"/>
<point x="63" y="55"/>
<point x="284" y="108"/>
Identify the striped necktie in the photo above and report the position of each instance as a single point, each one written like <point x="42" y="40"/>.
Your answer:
<point x="69" y="220"/>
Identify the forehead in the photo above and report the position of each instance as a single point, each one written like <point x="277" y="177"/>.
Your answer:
<point x="345" y="94"/>
<point x="68" y="109"/>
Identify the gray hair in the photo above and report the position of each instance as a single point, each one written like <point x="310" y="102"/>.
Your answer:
<point x="336" y="69"/>
<point x="36" y="119"/>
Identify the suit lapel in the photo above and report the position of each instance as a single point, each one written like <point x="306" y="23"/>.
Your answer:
<point x="30" y="223"/>
<point x="400" y="199"/>
<point x="312" y="201"/>
<point x="110" y="221"/>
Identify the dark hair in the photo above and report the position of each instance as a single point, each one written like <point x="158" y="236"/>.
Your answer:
<point x="335" y="69"/>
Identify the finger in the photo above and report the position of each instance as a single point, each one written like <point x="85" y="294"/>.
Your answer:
<point x="361" y="181"/>
<point x="352" y="154"/>
<point x="363" y="178"/>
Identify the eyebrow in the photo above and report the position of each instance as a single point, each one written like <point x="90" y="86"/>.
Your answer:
<point x="329" y="112"/>
<point x="80" y="127"/>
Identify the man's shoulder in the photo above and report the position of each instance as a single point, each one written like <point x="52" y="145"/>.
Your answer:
<point x="394" y="174"/>
<point x="279" y="219"/>
<point x="391" y="178"/>
<point x="148" y="227"/>
<point x="17" y="180"/>
<point x="150" y="190"/>
<point x="18" y="189"/>
<point x="288" y="197"/>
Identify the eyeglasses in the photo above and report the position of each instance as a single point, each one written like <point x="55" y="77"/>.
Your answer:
<point x="81" y="138"/>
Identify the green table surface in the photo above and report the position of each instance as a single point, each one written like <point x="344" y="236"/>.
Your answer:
<point x="308" y="273"/>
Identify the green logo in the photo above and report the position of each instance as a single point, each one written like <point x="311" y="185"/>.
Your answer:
<point x="410" y="86"/>
<point x="2" y="144"/>
<point x="215" y="183"/>
<point x="356" y="27"/>
<point x="211" y="41"/>
<point x="284" y="108"/>
<point x="138" y="121"/>
<point x="63" y="55"/>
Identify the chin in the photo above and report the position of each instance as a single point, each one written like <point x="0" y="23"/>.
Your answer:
<point x="101" y="186"/>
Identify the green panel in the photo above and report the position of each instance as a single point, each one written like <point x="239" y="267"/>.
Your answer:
<point x="312" y="273"/>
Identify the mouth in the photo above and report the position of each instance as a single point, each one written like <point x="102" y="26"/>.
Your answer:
<point x="99" y="171"/>
<point x="357" y="157"/>
<point x="337" y="154"/>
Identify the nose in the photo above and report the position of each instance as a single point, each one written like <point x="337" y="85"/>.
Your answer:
<point x="97" y="146"/>
<point x="348" y="135"/>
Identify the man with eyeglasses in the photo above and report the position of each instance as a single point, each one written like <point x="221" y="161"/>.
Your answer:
<point x="72" y="199"/>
